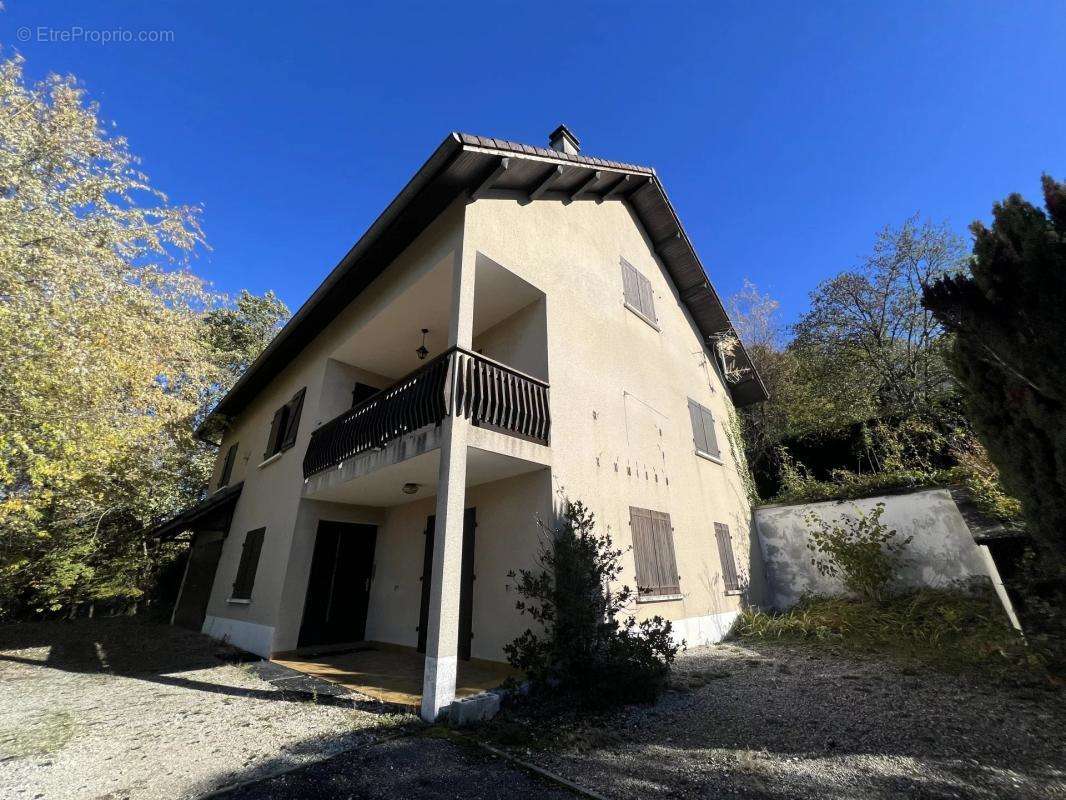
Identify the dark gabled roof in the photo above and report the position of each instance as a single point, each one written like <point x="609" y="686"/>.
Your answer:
<point x="474" y="164"/>
<point x="211" y="513"/>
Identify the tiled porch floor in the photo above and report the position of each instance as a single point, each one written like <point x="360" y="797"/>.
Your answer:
<point x="392" y="673"/>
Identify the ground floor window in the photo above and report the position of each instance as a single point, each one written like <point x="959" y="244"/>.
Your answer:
<point x="653" y="551"/>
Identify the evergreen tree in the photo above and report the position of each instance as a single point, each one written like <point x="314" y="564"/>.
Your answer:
<point x="1009" y="323"/>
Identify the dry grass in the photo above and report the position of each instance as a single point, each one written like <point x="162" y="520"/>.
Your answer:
<point x="944" y="629"/>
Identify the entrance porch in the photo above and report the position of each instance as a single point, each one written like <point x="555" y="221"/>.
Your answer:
<point x="391" y="673"/>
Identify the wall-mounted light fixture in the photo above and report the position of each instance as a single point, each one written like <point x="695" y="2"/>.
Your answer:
<point x="422" y="352"/>
<point x="411" y="488"/>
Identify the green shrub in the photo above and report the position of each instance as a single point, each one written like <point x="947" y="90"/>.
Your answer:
<point x="857" y="548"/>
<point x="582" y="650"/>
<point x="949" y="629"/>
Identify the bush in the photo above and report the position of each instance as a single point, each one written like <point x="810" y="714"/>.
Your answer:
<point x="858" y="549"/>
<point x="949" y="629"/>
<point x="582" y="650"/>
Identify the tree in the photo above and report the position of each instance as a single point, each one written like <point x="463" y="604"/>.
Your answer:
<point x="1006" y="314"/>
<point x="871" y="321"/>
<point x="104" y="360"/>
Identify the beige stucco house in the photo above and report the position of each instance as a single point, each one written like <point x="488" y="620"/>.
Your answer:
<point x="369" y="489"/>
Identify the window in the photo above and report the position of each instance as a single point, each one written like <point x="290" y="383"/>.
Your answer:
<point x="253" y="545"/>
<point x="639" y="298"/>
<point x="703" y="433"/>
<point x="285" y="424"/>
<point x="227" y="466"/>
<point x="725" y="554"/>
<point x="653" y="550"/>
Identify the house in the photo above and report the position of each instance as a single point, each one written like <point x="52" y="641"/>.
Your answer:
<point x="521" y="323"/>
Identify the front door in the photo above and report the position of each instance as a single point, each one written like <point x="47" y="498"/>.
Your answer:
<point x="338" y="589"/>
<point x="199" y="578"/>
<point x="466" y="590"/>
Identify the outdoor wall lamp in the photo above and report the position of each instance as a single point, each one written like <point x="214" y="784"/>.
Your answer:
<point x="422" y="352"/>
<point x="411" y="488"/>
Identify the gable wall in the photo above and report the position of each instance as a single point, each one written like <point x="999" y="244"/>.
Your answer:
<point x="621" y="433"/>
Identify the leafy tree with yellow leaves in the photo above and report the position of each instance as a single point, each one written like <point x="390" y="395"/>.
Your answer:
<point x="110" y="350"/>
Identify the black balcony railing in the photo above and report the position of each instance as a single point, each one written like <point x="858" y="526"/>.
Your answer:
<point x="459" y="382"/>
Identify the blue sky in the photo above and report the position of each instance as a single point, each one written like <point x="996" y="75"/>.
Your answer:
<point x="787" y="134"/>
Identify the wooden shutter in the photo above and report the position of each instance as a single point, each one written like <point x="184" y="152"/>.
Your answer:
<point x="631" y="284"/>
<point x="710" y="434"/>
<point x="730" y="579"/>
<point x="699" y="434"/>
<point x="276" y="425"/>
<point x="647" y="298"/>
<point x="227" y="466"/>
<point x="292" y="423"/>
<point x="253" y="546"/>
<point x="653" y="551"/>
<point x="704" y="435"/>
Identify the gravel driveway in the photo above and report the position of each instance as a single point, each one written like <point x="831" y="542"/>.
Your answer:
<point x="119" y="708"/>
<point x="788" y="722"/>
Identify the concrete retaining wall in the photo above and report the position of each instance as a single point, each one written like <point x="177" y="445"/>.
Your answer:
<point x="942" y="550"/>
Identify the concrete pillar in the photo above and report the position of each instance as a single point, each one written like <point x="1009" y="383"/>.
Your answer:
<point x="442" y="636"/>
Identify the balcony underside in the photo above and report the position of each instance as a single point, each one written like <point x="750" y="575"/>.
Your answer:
<point x="377" y="478"/>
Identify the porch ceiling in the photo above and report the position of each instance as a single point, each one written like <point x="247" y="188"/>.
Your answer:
<point x="386" y="344"/>
<point x="384" y="487"/>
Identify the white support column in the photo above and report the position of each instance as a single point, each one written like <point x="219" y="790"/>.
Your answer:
<point x="442" y="636"/>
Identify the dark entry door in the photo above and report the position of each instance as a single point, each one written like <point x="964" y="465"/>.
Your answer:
<point x="199" y="578"/>
<point x="338" y="589"/>
<point x="466" y="589"/>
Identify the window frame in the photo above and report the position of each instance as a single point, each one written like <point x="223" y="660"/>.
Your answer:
<point x="226" y="475"/>
<point x="639" y="281"/>
<point x="284" y="427"/>
<point x="707" y="426"/>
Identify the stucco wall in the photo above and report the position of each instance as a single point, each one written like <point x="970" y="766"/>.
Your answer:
<point x="942" y="550"/>
<point x="621" y="434"/>
<point x="271" y="494"/>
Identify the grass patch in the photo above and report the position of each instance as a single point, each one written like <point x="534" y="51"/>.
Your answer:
<point x="944" y="629"/>
<point x="38" y="736"/>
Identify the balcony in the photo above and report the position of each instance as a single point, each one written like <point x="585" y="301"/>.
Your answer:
<point x="459" y="382"/>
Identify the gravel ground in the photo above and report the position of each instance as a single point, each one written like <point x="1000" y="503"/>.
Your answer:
<point x="119" y="708"/>
<point x="412" y="768"/>
<point x="780" y="721"/>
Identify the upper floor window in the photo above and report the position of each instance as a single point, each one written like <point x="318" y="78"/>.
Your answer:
<point x="653" y="551"/>
<point x="703" y="433"/>
<point x="227" y="466"/>
<point x="639" y="297"/>
<point x="253" y="546"/>
<point x="284" y="426"/>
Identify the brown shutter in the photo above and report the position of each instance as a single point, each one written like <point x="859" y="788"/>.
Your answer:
<point x="630" y="284"/>
<point x="710" y="433"/>
<point x="730" y="579"/>
<point x="647" y="298"/>
<point x="653" y="552"/>
<point x="275" y="430"/>
<point x="699" y="434"/>
<point x="253" y="546"/>
<point x="227" y="467"/>
<point x="296" y="407"/>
